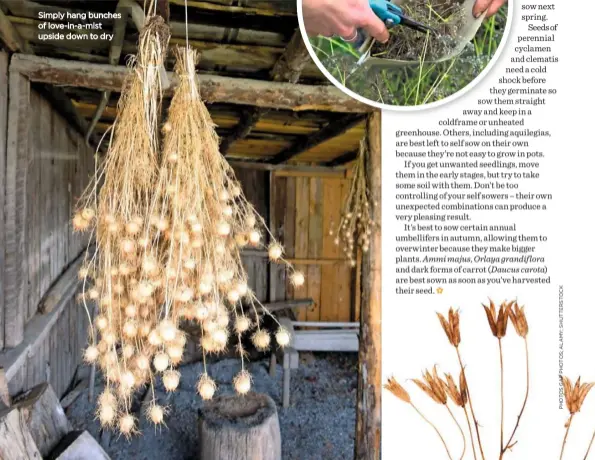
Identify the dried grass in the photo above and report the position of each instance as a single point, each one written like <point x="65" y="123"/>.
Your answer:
<point x="446" y="17"/>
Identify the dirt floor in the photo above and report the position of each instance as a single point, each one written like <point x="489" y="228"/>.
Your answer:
<point x="318" y="425"/>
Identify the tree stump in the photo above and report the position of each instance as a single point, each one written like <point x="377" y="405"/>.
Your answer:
<point x="45" y="417"/>
<point x="16" y="441"/>
<point x="234" y="427"/>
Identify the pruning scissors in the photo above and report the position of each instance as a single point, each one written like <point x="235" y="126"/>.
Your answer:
<point x="392" y="15"/>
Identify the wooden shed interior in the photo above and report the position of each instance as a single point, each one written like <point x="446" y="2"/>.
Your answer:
<point x="288" y="133"/>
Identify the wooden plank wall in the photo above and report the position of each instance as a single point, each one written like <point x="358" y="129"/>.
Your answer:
<point x="256" y="189"/>
<point x="59" y="168"/>
<point x="47" y="167"/>
<point x="56" y="358"/>
<point x="307" y="209"/>
<point x="3" y="133"/>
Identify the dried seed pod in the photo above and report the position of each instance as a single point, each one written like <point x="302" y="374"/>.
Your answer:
<point x="275" y="252"/>
<point x="242" y="382"/>
<point x="282" y="337"/>
<point x="156" y="414"/>
<point x="261" y="340"/>
<point x="242" y="324"/>
<point x="298" y="279"/>
<point x="396" y="389"/>
<point x="206" y="387"/>
<point x="126" y="424"/>
<point x="91" y="354"/>
<point x="161" y="361"/>
<point x="171" y="380"/>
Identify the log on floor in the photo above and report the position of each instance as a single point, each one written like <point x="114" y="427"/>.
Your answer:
<point x="240" y="428"/>
<point x="16" y="441"/>
<point x="44" y="416"/>
<point x="78" y="445"/>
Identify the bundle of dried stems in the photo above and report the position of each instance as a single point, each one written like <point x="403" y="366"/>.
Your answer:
<point x="575" y="396"/>
<point x="356" y="223"/>
<point x="441" y="390"/>
<point x="169" y="223"/>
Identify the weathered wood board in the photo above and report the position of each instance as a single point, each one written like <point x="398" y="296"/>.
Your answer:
<point x="16" y="441"/>
<point x="44" y="416"/>
<point x="3" y="128"/>
<point x="79" y="445"/>
<point x="47" y="168"/>
<point x="307" y="229"/>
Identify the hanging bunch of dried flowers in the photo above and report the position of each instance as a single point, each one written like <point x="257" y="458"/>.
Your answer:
<point x="356" y="223"/>
<point x="575" y="396"/>
<point x="202" y="221"/>
<point x="115" y="208"/>
<point x="169" y="223"/>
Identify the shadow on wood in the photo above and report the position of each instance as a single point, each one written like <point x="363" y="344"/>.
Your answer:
<point x="240" y="428"/>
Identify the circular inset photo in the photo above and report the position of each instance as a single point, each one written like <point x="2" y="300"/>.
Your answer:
<point x="403" y="53"/>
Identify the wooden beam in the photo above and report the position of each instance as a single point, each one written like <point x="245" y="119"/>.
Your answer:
<point x="15" y="43"/>
<point x="333" y="129"/>
<point x="3" y="135"/>
<point x="342" y="159"/>
<point x="37" y="329"/>
<point x="288" y="68"/>
<point x="64" y="106"/>
<point x="367" y="435"/>
<point x="10" y="36"/>
<point x="215" y="88"/>
<point x="290" y="65"/>
<point x="162" y="7"/>
<point x="248" y="120"/>
<point x="289" y="170"/>
<point x="114" y="58"/>
<point x="208" y="6"/>
<point x="15" y="207"/>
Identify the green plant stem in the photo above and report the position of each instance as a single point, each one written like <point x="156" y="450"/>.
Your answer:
<point x="470" y="432"/>
<point x="460" y="429"/>
<point x="590" y="445"/>
<point x="471" y="405"/>
<point x="435" y="429"/>
<point x="566" y="436"/>
<point x="501" y="395"/>
<point x="509" y="444"/>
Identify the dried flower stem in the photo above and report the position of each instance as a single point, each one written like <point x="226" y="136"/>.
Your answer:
<point x="566" y="436"/>
<point x="460" y="429"/>
<point x="501" y="395"/>
<point x="510" y="443"/>
<point x="470" y="432"/>
<point x="475" y="422"/>
<point x="590" y="445"/>
<point x="435" y="429"/>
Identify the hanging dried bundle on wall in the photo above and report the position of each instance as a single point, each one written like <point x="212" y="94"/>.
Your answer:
<point x="203" y="221"/>
<point x="356" y="224"/>
<point x="169" y="223"/>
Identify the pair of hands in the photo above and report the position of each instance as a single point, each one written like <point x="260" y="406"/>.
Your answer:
<point x="344" y="17"/>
